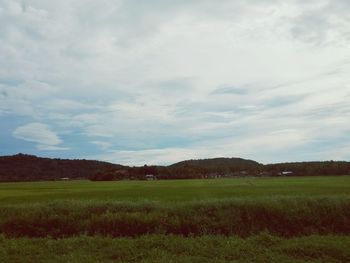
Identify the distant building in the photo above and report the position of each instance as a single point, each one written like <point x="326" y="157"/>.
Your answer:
<point x="243" y="173"/>
<point x="285" y="173"/>
<point x="65" y="179"/>
<point x="150" y="177"/>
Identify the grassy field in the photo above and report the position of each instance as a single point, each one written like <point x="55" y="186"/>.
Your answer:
<point x="175" y="249"/>
<point x="174" y="190"/>
<point x="298" y="219"/>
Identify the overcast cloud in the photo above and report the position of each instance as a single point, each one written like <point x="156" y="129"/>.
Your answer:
<point x="159" y="81"/>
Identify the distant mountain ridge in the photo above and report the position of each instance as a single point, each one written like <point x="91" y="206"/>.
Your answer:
<point x="23" y="167"/>
<point x="219" y="162"/>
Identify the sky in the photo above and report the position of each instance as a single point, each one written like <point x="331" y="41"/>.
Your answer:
<point x="160" y="81"/>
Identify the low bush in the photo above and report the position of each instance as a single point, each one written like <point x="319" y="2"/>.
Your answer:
<point x="285" y="217"/>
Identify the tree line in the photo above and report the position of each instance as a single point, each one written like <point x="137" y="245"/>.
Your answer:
<point x="203" y="169"/>
<point x="22" y="167"/>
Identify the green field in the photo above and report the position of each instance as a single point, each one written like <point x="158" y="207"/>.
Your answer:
<point x="175" y="249"/>
<point x="174" y="190"/>
<point x="296" y="219"/>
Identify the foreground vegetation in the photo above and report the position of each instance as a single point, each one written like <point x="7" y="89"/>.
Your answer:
<point x="298" y="219"/>
<point x="282" y="206"/>
<point x="153" y="249"/>
<point x="243" y="217"/>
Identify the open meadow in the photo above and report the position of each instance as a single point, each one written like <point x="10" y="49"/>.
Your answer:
<point x="284" y="219"/>
<point x="174" y="190"/>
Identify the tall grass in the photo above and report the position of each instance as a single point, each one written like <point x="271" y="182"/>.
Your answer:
<point x="284" y="216"/>
<point x="161" y="248"/>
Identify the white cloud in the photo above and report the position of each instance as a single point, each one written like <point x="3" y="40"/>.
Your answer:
<point x="41" y="134"/>
<point x="149" y="157"/>
<point x="323" y="23"/>
<point x="171" y="78"/>
<point x="103" y="145"/>
<point x="253" y="147"/>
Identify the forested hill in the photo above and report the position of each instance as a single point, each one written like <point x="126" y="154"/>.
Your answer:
<point x="310" y="168"/>
<point x="223" y="163"/>
<point x="22" y="167"/>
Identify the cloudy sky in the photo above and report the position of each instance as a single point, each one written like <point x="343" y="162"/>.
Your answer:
<point x="158" y="81"/>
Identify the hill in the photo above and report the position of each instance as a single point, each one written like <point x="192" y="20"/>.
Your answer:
<point x="23" y="167"/>
<point x="224" y="163"/>
<point x="310" y="168"/>
<point x="215" y="167"/>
